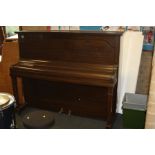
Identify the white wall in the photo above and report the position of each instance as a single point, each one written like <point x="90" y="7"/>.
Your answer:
<point x="129" y="61"/>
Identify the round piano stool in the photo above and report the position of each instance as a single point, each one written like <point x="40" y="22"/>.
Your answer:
<point x="39" y="119"/>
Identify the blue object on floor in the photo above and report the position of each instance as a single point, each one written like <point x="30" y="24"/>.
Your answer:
<point x="148" y="47"/>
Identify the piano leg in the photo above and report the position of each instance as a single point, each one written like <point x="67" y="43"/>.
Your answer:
<point x="111" y="107"/>
<point x="20" y="103"/>
<point x="15" y="90"/>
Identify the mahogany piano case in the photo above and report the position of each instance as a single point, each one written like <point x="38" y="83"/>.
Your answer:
<point x="75" y="71"/>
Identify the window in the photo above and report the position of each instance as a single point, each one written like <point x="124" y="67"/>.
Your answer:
<point x="10" y="30"/>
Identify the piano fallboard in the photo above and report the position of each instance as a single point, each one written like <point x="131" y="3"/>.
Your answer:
<point x="80" y="73"/>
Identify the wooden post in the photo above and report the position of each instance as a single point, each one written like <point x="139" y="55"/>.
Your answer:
<point x="110" y="107"/>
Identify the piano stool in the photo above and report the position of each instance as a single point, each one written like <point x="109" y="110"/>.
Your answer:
<point x="39" y="119"/>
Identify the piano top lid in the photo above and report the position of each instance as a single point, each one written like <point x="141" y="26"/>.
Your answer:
<point x="72" y="31"/>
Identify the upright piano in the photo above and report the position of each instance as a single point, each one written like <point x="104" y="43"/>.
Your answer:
<point x="74" y="72"/>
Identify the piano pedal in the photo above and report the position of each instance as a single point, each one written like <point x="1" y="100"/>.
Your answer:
<point x="60" y="111"/>
<point x="69" y="113"/>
